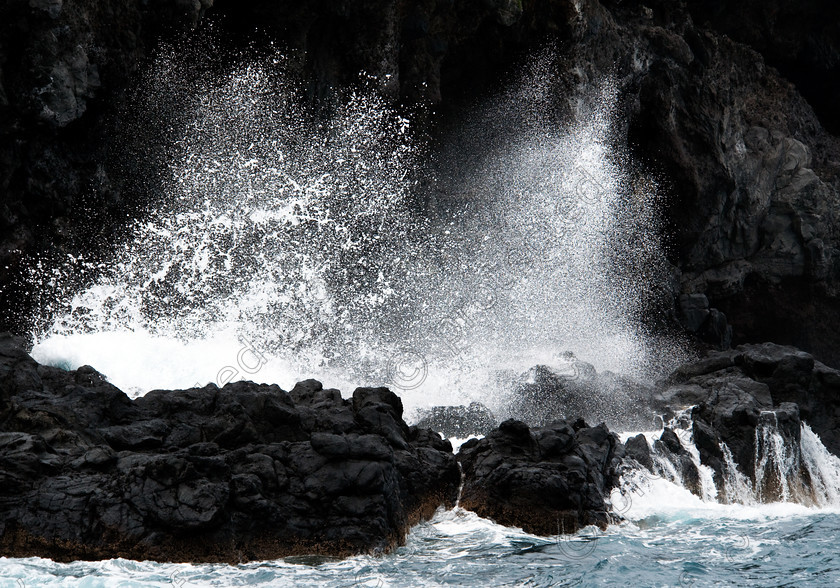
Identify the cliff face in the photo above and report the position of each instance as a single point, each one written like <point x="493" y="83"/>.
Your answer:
<point x="751" y="171"/>
<point x="755" y="179"/>
<point x="800" y="39"/>
<point x="63" y="64"/>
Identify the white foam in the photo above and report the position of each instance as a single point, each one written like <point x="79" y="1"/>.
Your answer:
<point x="823" y="469"/>
<point x="458" y="441"/>
<point x="304" y="241"/>
<point x="737" y="488"/>
<point x="661" y="494"/>
<point x="662" y="499"/>
<point x="137" y="362"/>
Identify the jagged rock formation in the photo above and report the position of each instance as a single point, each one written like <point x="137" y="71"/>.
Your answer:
<point x="233" y="474"/>
<point x="753" y="174"/>
<point x="801" y="40"/>
<point x="670" y="448"/>
<point x="253" y="472"/>
<point x="250" y="472"/>
<point x="738" y="384"/>
<point x="751" y="402"/>
<point x="744" y="410"/>
<point x="549" y="480"/>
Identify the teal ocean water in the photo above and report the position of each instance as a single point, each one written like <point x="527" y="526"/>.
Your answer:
<point x="771" y="545"/>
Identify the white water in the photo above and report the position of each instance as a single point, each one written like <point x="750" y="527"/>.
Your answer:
<point x="823" y="468"/>
<point x="643" y="493"/>
<point x="289" y="246"/>
<point x="737" y="487"/>
<point x="658" y="497"/>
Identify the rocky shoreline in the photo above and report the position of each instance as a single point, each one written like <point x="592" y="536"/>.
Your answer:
<point x="246" y="472"/>
<point x="250" y="472"/>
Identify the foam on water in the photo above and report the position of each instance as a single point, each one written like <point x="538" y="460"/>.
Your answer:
<point x="663" y="499"/>
<point x="809" y="475"/>
<point x="765" y="545"/>
<point x="310" y="242"/>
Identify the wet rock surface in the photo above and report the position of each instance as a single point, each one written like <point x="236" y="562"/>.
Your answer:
<point x="250" y="471"/>
<point x="670" y="448"/>
<point x="744" y="397"/>
<point x="733" y="387"/>
<point x="547" y="480"/>
<point x="233" y="474"/>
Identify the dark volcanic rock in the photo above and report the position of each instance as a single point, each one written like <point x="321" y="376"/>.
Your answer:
<point x="751" y="401"/>
<point x="732" y="412"/>
<point x="802" y="40"/>
<point x="779" y="427"/>
<point x="753" y="173"/>
<point x="737" y="385"/>
<point x="708" y="323"/>
<point x="458" y="421"/>
<point x="727" y="408"/>
<point x="575" y="390"/>
<point x="63" y="66"/>
<point x="207" y="474"/>
<point x="669" y="447"/>
<point x="548" y="480"/>
<point x="638" y="448"/>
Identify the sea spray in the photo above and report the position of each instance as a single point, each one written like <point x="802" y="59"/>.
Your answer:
<point x="788" y="471"/>
<point x="310" y="238"/>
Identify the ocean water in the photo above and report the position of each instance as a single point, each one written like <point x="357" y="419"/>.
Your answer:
<point x="770" y="545"/>
<point x="286" y="245"/>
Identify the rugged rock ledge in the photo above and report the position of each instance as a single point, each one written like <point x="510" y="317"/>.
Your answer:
<point x="250" y="471"/>
<point x="744" y="410"/>
<point x="752" y="378"/>
<point x="548" y="481"/>
<point x="233" y="474"/>
<point x="744" y="397"/>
